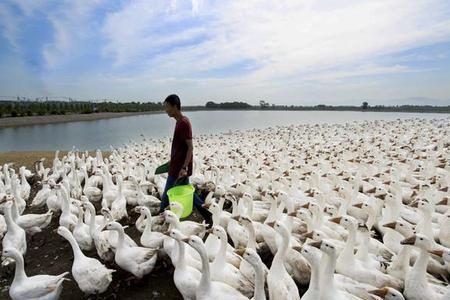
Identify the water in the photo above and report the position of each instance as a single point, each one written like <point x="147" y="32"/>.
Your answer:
<point x="100" y="134"/>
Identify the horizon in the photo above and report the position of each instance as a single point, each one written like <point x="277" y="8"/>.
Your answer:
<point x="384" y="52"/>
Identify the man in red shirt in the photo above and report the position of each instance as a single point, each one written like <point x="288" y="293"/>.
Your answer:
<point x="180" y="167"/>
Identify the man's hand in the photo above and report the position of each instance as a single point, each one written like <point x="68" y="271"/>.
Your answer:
<point x="183" y="173"/>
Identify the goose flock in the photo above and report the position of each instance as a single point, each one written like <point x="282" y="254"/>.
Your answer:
<point x="333" y="211"/>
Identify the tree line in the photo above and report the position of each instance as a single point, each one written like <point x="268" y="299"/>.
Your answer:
<point x="40" y="108"/>
<point x="22" y="108"/>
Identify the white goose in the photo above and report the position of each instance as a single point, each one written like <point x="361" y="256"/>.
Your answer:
<point x="359" y="271"/>
<point x="91" y="275"/>
<point x="225" y="272"/>
<point x="314" y="288"/>
<point x="149" y="238"/>
<point x="81" y="231"/>
<point x="15" y="237"/>
<point x="119" y="205"/>
<point x="137" y="260"/>
<point x="100" y="238"/>
<point x="330" y="292"/>
<point x="212" y="242"/>
<point x="280" y="283"/>
<point x="67" y="219"/>
<point x="253" y="259"/>
<point x="208" y="289"/>
<point x="45" y="287"/>
<point x="185" y="277"/>
<point x="416" y="284"/>
<point x="31" y="223"/>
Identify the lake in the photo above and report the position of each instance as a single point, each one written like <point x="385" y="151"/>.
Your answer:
<point x="100" y="134"/>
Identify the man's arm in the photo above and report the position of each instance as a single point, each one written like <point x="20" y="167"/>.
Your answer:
<point x="183" y="171"/>
<point x="189" y="153"/>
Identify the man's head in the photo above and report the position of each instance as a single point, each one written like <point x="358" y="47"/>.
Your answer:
<point x="172" y="105"/>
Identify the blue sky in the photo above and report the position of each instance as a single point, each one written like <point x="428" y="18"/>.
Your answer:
<point x="285" y="52"/>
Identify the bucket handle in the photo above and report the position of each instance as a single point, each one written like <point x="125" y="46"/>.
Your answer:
<point x="178" y="180"/>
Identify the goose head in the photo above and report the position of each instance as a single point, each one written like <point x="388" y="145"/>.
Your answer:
<point x="387" y="293"/>
<point x="365" y="207"/>
<point x="345" y="221"/>
<point x="11" y="253"/>
<point x="316" y="235"/>
<point x="142" y="210"/>
<point x="245" y="221"/>
<point x="195" y="242"/>
<point x="444" y="253"/>
<point x="249" y="255"/>
<point x="176" y="234"/>
<point x="403" y="227"/>
<point x="312" y="254"/>
<point x="219" y="232"/>
<point x="380" y="191"/>
<point x="170" y="217"/>
<point x="177" y="207"/>
<point x="303" y="214"/>
<point x="213" y="207"/>
<point x="423" y="205"/>
<point x="418" y="240"/>
<point x="64" y="232"/>
<point x="279" y="227"/>
<point x="325" y="246"/>
<point x="88" y="205"/>
<point x="331" y="210"/>
<point x="113" y="226"/>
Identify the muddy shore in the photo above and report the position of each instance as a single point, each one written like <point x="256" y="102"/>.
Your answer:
<point x="49" y="119"/>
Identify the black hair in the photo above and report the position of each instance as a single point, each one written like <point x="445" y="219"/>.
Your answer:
<point x="173" y="100"/>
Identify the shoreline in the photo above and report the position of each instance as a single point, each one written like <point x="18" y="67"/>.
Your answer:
<point x="9" y="122"/>
<point x="51" y="119"/>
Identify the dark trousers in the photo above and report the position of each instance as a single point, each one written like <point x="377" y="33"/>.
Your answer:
<point x="182" y="181"/>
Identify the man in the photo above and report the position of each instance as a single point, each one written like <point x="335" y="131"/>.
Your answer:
<point x="180" y="167"/>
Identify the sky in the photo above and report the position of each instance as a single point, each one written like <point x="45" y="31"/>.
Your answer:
<point x="299" y="52"/>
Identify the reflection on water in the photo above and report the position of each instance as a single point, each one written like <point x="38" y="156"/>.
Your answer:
<point x="117" y="131"/>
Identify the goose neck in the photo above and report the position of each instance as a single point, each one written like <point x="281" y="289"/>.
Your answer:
<point x="347" y="252"/>
<point x="278" y="260"/>
<point x="14" y="211"/>
<point x="77" y="254"/>
<point x="180" y="261"/>
<point x="420" y="267"/>
<point x="148" y="224"/>
<point x="251" y="237"/>
<point x="259" y="282"/>
<point x="314" y="283"/>
<point x="120" y="237"/>
<point x="205" y="281"/>
<point x="19" y="273"/>
<point x="328" y="272"/>
<point x="11" y="225"/>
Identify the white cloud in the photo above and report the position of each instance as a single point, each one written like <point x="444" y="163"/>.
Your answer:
<point x="72" y="25"/>
<point x="246" y="50"/>
<point x="280" y="38"/>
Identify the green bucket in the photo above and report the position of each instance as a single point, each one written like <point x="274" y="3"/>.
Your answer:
<point x="184" y="195"/>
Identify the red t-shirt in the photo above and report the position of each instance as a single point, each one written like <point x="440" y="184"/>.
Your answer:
<point x="183" y="132"/>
